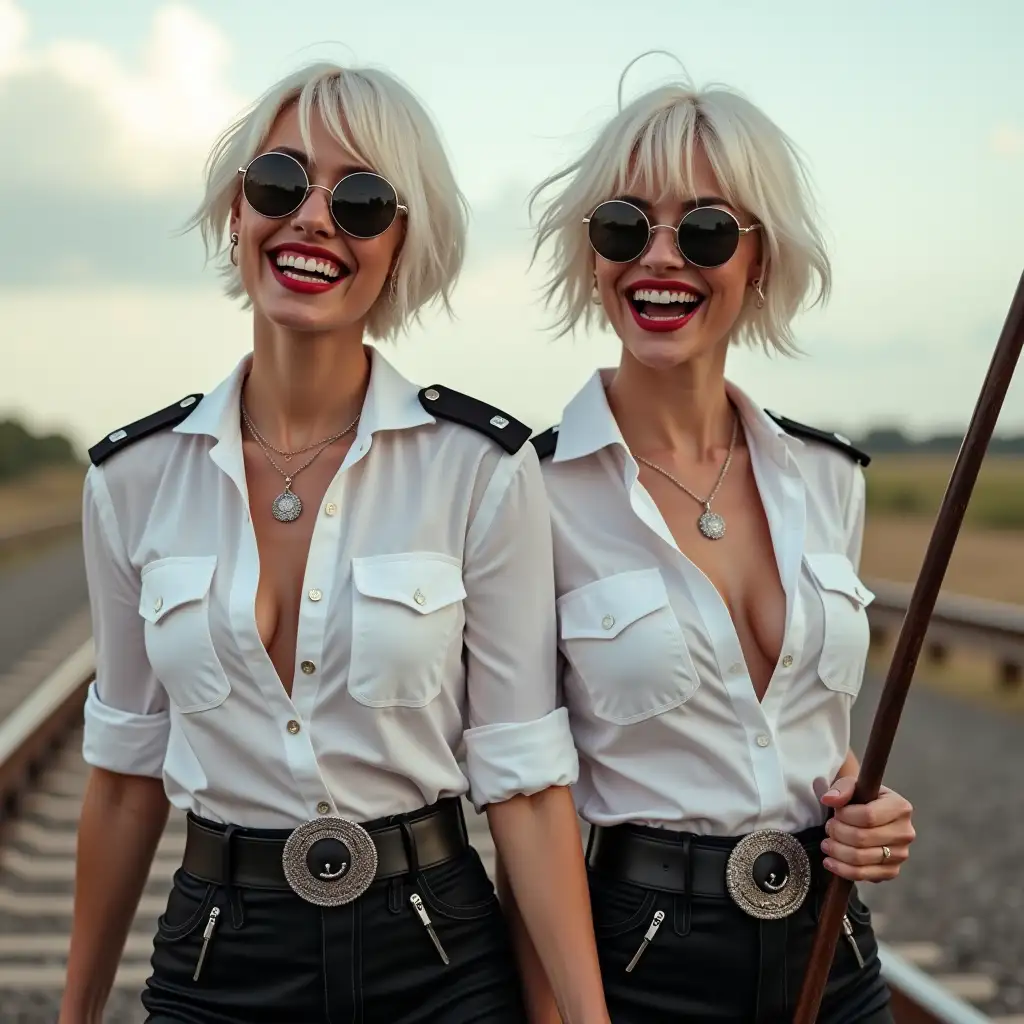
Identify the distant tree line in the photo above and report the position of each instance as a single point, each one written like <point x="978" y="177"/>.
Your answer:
<point x="892" y="441"/>
<point x="22" y="452"/>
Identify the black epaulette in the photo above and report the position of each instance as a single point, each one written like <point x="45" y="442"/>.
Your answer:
<point x="169" y="417"/>
<point x="844" y="444"/>
<point x="447" y="404"/>
<point x="546" y="443"/>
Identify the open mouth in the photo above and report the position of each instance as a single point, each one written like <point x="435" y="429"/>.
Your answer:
<point x="663" y="309"/>
<point x="306" y="273"/>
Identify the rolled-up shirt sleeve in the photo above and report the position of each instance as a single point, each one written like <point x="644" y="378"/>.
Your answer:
<point x="127" y="721"/>
<point x="518" y="739"/>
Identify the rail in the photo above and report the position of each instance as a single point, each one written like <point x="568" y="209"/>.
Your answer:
<point x="35" y="730"/>
<point x="990" y="627"/>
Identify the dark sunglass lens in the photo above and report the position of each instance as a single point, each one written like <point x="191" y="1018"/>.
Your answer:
<point x="618" y="231"/>
<point x="708" y="237"/>
<point x="364" y="204"/>
<point x="275" y="185"/>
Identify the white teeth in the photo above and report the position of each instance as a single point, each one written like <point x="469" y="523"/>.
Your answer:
<point x="308" y="263"/>
<point x="664" y="298"/>
<point x="302" y="277"/>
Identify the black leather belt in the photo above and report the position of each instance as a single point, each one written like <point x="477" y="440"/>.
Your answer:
<point x="680" y="862"/>
<point x="341" y="858"/>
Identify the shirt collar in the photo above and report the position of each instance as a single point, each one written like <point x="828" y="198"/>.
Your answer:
<point x="391" y="403"/>
<point x="588" y="424"/>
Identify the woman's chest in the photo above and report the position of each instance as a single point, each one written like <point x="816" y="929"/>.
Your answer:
<point x="645" y="629"/>
<point x="364" y="596"/>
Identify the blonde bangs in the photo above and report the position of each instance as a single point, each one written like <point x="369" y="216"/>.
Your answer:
<point x="380" y="124"/>
<point x="653" y="141"/>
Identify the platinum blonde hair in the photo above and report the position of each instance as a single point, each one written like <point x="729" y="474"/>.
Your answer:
<point x="382" y="125"/>
<point x="654" y="139"/>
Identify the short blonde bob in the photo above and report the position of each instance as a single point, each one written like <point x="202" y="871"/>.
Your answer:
<point x="382" y="125"/>
<point x="654" y="139"/>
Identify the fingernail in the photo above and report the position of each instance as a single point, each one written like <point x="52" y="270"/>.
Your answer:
<point x="829" y="864"/>
<point x="832" y="792"/>
<point x="824" y="846"/>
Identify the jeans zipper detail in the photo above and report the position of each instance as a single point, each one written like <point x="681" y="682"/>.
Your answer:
<point x="421" y="913"/>
<point x="848" y="928"/>
<point x="211" y="923"/>
<point x="659" y="916"/>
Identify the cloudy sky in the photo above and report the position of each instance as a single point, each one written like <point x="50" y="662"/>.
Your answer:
<point x="911" y="116"/>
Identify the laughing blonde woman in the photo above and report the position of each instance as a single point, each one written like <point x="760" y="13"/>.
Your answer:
<point x="711" y="618"/>
<point x="323" y="611"/>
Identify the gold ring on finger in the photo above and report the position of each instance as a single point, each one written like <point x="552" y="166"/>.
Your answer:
<point x="886" y="853"/>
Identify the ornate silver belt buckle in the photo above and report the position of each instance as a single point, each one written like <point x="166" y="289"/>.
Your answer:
<point x="329" y="861"/>
<point x="768" y="874"/>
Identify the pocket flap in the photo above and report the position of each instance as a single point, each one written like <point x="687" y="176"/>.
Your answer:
<point x="169" y="583"/>
<point x="835" y="572"/>
<point x="603" y="609"/>
<point x="423" y="582"/>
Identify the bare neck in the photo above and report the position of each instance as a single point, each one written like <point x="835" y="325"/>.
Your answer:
<point x="304" y="386"/>
<point x="682" y="411"/>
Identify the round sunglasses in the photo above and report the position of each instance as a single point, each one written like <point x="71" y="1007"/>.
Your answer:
<point x="706" y="236"/>
<point x="363" y="204"/>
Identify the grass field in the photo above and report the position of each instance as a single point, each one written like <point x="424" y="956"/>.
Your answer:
<point x="913" y="485"/>
<point x="48" y="494"/>
<point x="985" y="563"/>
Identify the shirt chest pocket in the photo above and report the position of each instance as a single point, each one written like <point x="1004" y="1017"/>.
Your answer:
<point x="846" y="635"/>
<point x="626" y="645"/>
<point x="406" y="611"/>
<point x="175" y="604"/>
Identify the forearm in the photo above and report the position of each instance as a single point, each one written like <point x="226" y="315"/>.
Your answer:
<point x="538" y="840"/>
<point x="850" y="768"/>
<point x="540" y="999"/>
<point x="122" y="820"/>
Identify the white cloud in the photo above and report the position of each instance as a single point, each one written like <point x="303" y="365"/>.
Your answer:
<point x="13" y="33"/>
<point x="1007" y="140"/>
<point x="148" y="130"/>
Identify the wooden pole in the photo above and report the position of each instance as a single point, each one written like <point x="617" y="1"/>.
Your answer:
<point x="912" y="633"/>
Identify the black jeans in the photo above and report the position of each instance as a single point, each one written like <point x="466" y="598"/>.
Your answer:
<point x="711" y="962"/>
<point x="273" y="958"/>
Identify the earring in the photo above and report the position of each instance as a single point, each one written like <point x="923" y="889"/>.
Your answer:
<point x="232" y="252"/>
<point x="595" y="295"/>
<point x="756" y="285"/>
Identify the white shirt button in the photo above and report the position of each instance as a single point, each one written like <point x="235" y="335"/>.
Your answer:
<point x="608" y="621"/>
<point x="330" y="508"/>
<point x="315" y="595"/>
<point x="308" y="667"/>
<point x="158" y="604"/>
<point x="293" y="727"/>
<point x="323" y="807"/>
<point x="419" y="598"/>
<point x="787" y="661"/>
<point x="763" y="740"/>
<point x="736" y="669"/>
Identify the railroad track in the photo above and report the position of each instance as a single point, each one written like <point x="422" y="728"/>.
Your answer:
<point x="42" y="776"/>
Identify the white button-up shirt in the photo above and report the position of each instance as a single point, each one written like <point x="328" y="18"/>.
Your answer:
<point x="667" y="724"/>
<point x="426" y="652"/>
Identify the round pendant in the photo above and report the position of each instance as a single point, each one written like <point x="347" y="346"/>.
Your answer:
<point x="712" y="525"/>
<point x="286" y="507"/>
